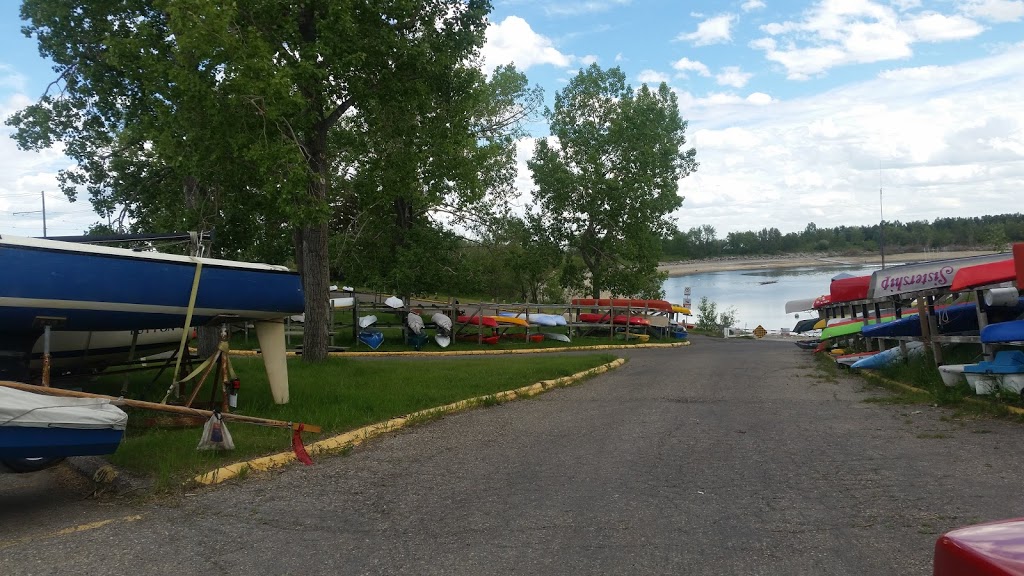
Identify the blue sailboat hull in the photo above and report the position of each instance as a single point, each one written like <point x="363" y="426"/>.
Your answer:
<point x="104" y="291"/>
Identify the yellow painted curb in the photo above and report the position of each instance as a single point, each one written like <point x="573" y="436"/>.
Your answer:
<point x="356" y="437"/>
<point x="909" y="388"/>
<point x="370" y="354"/>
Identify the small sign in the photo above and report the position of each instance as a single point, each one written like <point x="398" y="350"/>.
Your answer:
<point x="760" y="332"/>
<point x="686" y="291"/>
<point x="686" y="302"/>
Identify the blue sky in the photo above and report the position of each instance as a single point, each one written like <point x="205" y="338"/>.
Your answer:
<point x="798" y="109"/>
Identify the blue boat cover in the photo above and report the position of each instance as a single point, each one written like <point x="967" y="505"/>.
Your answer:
<point x="1003" y="332"/>
<point x="372" y="338"/>
<point x="1005" y="362"/>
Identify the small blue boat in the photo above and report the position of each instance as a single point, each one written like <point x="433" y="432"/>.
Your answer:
<point x="1003" y="332"/>
<point x="886" y="357"/>
<point x="1006" y="370"/>
<point x="40" y="426"/>
<point x="371" y="337"/>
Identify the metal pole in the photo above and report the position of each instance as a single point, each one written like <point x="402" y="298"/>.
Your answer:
<point x="43" y="194"/>
<point x="881" y="216"/>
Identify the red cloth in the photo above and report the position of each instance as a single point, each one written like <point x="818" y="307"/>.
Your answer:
<point x="298" y="448"/>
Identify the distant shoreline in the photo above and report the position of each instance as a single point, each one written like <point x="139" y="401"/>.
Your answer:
<point x="688" y="267"/>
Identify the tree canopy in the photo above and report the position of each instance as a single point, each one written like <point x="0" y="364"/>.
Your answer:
<point x="280" y="121"/>
<point x="608" y="179"/>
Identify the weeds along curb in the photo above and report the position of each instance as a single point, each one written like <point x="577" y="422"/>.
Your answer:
<point x="871" y="375"/>
<point x="369" y="354"/>
<point x="353" y="438"/>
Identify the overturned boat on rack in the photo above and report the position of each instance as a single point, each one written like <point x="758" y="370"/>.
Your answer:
<point x="78" y="287"/>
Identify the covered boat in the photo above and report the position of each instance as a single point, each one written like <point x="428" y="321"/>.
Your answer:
<point x="849" y="288"/>
<point x="39" y="426"/>
<point x="79" y="287"/>
<point x="984" y="275"/>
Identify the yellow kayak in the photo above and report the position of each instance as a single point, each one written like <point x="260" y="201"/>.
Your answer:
<point x="820" y="324"/>
<point x="508" y="320"/>
<point x="680" y="310"/>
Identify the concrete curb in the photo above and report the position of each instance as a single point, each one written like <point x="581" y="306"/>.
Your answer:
<point x="371" y="354"/>
<point x="355" y="437"/>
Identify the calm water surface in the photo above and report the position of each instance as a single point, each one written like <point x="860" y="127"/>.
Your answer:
<point x="757" y="303"/>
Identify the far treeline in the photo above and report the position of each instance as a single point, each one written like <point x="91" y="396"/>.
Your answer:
<point x="994" y="233"/>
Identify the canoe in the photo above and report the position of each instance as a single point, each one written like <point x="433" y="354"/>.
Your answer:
<point x="984" y="275"/>
<point x="84" y="351"/>
<point x="556" y="336"/>
<point x="850" y="326"/>
<point x="887" y="357"/>
<point x="923" y="276"/>
<point x="620" y="319"/>
<point x="509" y="321"/>
<point x="1003" y="332"/>
<point x="40" y="426"/>
<point x="415" y="323"/>
<point x="989" y="549"/>
<point x="486" y="321"/>
<point x="805" y="325"/>
<point x="849" y="289"/>
<point x="631" y="336"/>
<point x="521" y="336"/>
<point x="372" y="338"/>
<point x="681" y="310"/>
<point x="623" y="303"/>
<point x="820" y="324"/>
<point x="823" y="300"/>
<point x="491" y="339"/>
<point x="801" y="305"/>
<point x="807" y="344"/>
<point x="367" y="321"/>
<point x="538" y="319"/>
<point x="442" y="321"/>
<point x="851" y="359"/>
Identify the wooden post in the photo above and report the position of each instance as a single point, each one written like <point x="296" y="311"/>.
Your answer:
<point x="986" y="349"/>
<point x="933" y="329"/>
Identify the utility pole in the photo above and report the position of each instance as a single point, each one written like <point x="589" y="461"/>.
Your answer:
<point x="881" y="216"/>
<point x="43" y="196"/>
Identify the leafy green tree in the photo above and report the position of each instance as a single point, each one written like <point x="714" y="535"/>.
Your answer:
<point x="246" y="115"/>
<point x="609" y="176"/>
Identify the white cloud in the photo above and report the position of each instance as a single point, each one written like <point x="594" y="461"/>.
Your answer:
<point x="752" y="5"/>
<point x="514" y="41"/>
<point x="759" y="98"/>
<point x="946" y="136"/>
<point x="652" y="77"/>
<point x="840" y="32"/>
<point x="994" y="10"/>
<point x="584" y="7"/>
<point x="588" y="60"/>
<point x="935" y="27"/>
<point x="684" y="65"/>
<point x="714" y="30"/>
<point x="619" y="57"/>
<point x="733" y="76"/>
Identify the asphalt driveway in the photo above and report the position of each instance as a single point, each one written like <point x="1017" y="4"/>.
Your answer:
<point x="726" y="457"/>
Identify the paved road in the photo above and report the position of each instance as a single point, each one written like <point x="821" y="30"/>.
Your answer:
<point x="727" y="457"/>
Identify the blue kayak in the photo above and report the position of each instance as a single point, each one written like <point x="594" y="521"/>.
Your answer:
<point x="1005" y="362"/>
<point x="1003" y="332"/>
<point x="887" y="357"/>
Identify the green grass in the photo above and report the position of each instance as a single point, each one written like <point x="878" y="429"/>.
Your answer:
<point x="338" y="395"/>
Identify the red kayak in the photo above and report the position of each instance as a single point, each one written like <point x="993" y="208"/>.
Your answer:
<point x="487" y="321"/>
<point x="849" y="289"/>
<point x="662" y="305"/>
<point x="522" y="336"/>
<point x="472" y="338"/>
<point x="619" y="319"/>
<point x="984" y="275"/>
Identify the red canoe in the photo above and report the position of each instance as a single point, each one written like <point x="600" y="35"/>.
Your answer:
<point x="983" y="275"/>
<point x="488" y="321"/>
<point x="473" y="337"/>
<point x="662" y="305"/>
<point x="823" y="300"/>
<point x="522" y="336"/>
<point x="619" y="319"/>
<point x="849" y="289"/>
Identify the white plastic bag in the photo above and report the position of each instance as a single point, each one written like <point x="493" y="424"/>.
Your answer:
<point x="216" y="435"/>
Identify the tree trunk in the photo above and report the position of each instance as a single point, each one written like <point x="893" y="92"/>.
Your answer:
<point x="316" y="336"/>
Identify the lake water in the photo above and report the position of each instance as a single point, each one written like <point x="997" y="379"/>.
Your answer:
<point x="757" y="303"/>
